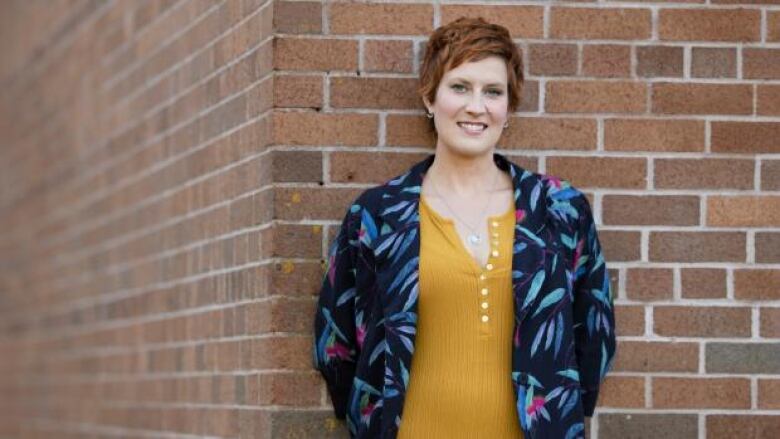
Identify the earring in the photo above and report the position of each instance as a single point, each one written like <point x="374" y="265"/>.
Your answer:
<point x="430" y="115"/>
<point x="506" y="125"/>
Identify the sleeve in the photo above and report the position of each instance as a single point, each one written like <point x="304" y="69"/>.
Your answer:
<point x="594" y="319"/>
<point x="335" y="350"/>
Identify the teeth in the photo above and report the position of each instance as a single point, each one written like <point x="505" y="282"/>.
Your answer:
<point x="472" y="126"/>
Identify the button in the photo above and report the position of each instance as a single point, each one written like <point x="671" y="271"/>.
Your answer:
<point x="484" y="305"/>
<point x="484" y="318"/>
<point x="495" y="253"/>
<point x="495" y="223"/>
<point x="489" y="266"/>
<point x="484" y="291"/>
<point x="482" y="276"/>
<point x="495" y="234"/>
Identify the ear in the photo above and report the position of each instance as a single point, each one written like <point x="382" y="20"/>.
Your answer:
<point x="427" y="104"/>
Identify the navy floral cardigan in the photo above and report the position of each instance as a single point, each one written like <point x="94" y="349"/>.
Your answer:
<point x="366" y="319"/>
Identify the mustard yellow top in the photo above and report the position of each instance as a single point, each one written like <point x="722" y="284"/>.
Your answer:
<point x="460" y="379"/>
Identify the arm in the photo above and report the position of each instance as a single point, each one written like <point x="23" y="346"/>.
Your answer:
<point x="594" y="319"/>
<point x="335" y="346"/>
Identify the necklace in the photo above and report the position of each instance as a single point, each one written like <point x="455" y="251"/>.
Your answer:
<point x="475" y="237"/>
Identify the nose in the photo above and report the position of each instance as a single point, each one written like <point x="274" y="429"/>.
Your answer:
<point x="475" y="103"/>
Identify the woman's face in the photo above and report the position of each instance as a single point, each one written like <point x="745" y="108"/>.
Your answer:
<point x="472" y="92"/>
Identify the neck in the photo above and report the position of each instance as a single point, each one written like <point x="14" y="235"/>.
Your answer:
<point x="464" y="176"/>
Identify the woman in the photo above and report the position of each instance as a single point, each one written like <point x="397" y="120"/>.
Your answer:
<point x="490" y="274"/>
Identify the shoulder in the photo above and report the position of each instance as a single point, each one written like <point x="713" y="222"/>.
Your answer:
<point x="565" y="201"/>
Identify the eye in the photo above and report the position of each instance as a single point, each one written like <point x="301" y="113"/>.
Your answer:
<point x="496" y="92"/>
<point x="455" y="86"/>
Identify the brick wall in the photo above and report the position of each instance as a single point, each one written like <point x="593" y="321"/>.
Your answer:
<point x="172" y="173"/>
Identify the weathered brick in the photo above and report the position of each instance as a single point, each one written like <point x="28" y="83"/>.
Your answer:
<point x="701" y="393"/>
<point x="606" y="60"/>
<point x="565" y="96"/>
<point x="600" y="23"/>
<point x="697" y="247"/>
<point x="677" y="24"/>
<point x="689" y="98"/>
<point x="703" y="283"/>
<point x="713" y="62"/>
<point x="654" y="135"/>
<point x="743" y="211"/>
<point x="613" y="172"/>
<point x="648" y="426"/>
<point x="659" y="61"/>
<point x="369" y="167"/>
<point x="657" y="356"/>
<point x="679" y="210"/>
<point x="688" y="321"/>
<point x="704" y="173"/>
<point x="742" y="358"/>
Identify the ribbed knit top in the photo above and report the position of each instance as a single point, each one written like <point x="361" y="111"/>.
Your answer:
<point x="460" y="379"/>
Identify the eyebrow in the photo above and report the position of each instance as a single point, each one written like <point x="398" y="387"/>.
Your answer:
<point x="467" y="81"/>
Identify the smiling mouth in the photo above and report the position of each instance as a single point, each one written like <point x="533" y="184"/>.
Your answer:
<point x="473" y="128"/>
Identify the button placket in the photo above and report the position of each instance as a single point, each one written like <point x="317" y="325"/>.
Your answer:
<point x="484" y="291"/>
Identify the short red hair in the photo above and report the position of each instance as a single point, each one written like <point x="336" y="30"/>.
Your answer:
<point x="469" y="39"/>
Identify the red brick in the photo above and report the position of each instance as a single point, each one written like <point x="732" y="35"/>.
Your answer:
<point x="629" y="320"/>
<point x="552" y="59"/>
<point x="699" y="24"/>
<point x="352" y="17"/>
<point x="600" y="23"/>
<point x="703" y="283"/>
<point x="701" y="173"/>
<point x="304" y="128"/>
<point x="760" y="63"/>
<point x="769" y="394"/>
<point x="522" y="21"/>
<point x="757" y="284"/>
<point x="689" y="98"/>
<point x="654" y="135"/>
<point x="743" y="211"/>
<point x="697" y="247"/>
<point x="294" y="17"/>
<point x="689" y="321"/>
<point x="680" y="210"/>
<point x="613" y="172"/>
<point x="746" y="137"/>
<point x="647" y="284"/>
<point x="722" y="426"/>
<point x="623" y="392"/>
<point x="380" y="93"/>
<point x="606" y="60"/>
<point x="656" y="356"/>
<point x="701" y="393"/>
<point x="770" y="322"/>
<point x="387" y="56"/>
<point x="315" y="54"/>
<point x="532" y="133"/>
<point x="767" y="99"/>
<point x="563" y="96"/>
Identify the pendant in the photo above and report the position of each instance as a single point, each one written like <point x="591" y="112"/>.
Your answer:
<point x="474" y="239"/>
